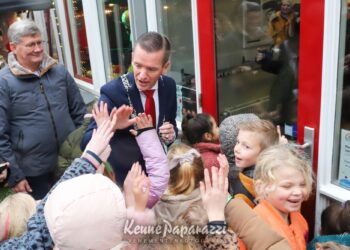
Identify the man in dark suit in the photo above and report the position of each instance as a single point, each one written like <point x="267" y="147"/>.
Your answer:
<point x="150" y="61"/>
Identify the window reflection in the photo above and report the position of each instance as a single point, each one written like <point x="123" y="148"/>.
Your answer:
<point x="342" y="148"/>
<point x="257" y="50"/>
<point x="175" y="21"/>
<point x="78" y="40"/>
<point x="117" y="41"/>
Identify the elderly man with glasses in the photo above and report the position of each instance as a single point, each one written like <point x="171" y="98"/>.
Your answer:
<point x="40" y="105"/>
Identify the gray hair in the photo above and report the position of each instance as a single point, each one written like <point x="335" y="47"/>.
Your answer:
<point x="154" y="42"/>
<point x="22" y="28"/>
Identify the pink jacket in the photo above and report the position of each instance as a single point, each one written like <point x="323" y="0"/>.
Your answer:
<point x="156" y="164"/>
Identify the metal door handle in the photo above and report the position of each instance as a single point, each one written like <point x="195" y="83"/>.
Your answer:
<point x="309" y="139"/>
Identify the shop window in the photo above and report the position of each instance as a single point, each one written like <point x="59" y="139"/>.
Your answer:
<point x="50" y="32"/>
<point x="78" y="40"/>
<point x="116" y="38"/>
<point x="257" y="50"/>
<point x="175" y="21"/>
<point x="341" y="169"/>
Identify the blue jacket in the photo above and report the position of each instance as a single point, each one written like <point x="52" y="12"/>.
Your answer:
<point x="37" y="112"/>
<point x="38" y="235"/>
<point x="342" y="239"/>
<point x="125" y="150"/>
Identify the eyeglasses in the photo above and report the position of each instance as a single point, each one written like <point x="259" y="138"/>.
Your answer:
<point x="32" y="45"/>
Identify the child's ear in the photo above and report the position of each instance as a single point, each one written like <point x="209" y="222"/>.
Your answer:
<point x="260" y="189"/>
<point x="207" y="136"/>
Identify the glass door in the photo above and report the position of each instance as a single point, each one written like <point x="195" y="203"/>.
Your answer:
<point x="257" y="60"/>
<point x="265" y="57"/>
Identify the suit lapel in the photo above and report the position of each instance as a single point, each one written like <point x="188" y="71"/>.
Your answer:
<point x="162" y="101"/>
<point x="135" y="95"/>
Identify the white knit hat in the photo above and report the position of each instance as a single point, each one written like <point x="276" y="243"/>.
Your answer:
<point x="86" y="212"/>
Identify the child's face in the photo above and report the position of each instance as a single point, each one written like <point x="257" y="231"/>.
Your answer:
<point x="247" y="149"/>
<point x="215" y="131"/>
<point x="288" y="191"/>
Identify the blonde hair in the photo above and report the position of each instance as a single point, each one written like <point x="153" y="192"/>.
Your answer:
<point x="16" y="209"/>
<point x="275" y="157"/>
<point x="265" y="129"/>
<point x="186" y="175"/>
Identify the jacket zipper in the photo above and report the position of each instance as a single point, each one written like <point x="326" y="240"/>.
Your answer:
<point x="20" y="139"/>
<point x="42" y="90"/>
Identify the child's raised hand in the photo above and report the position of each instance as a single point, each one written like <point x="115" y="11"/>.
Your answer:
<point x="100" y="113"/>
<point x="105" y="154"/>
<point x="214" y="194"/>
<point x="128" y="185"/>
<point x="101" y="137"/>
<point x="282" y="139"/>
<point x="223" y="164"/>
<point x="142" y="121"/>
<point x="141" y="191"/>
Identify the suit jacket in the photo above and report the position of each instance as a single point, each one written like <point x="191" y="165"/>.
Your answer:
<point x="125" y="150"/>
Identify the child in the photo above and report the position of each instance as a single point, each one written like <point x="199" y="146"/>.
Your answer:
<point x="228" y="130"/>
<point x="15" y="210"/>
<point x="283" y="180"/>
<point x="38" y="235"/>
<point x="186" y="171"/>
<point x="335" y="225"/>
<point x="151" y="150"/>
<point x="202" y="133"/>
<point x="253" y="137"/>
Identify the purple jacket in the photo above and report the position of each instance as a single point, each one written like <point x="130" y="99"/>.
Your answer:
<point x="156" y="164"/>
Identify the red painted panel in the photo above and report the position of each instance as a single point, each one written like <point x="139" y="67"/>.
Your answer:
<point x="207" y="56"/>
<point x="310" y="81"/>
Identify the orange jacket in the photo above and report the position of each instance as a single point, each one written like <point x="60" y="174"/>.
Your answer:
<point x="296" y="232"/>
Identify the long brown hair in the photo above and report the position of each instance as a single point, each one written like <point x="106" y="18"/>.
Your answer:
<point x="187" y="174"/>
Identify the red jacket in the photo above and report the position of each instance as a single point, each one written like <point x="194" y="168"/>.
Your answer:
<point x="209" y="152"/>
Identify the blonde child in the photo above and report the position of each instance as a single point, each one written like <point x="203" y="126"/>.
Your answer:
<point x="202" y="133"/>
<point x="253" y="137"/>
<point x="15" y="211"/>
<point x="283" y="180"/>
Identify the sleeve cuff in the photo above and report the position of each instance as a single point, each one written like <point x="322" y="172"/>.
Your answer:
<point x="15" y="175"/>
<point x="217" y="227"/>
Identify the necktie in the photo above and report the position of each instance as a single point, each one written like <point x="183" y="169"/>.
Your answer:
<point x="150" y="108"/>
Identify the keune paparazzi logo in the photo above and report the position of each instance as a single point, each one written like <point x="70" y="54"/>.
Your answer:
<point x="131" y="228"/>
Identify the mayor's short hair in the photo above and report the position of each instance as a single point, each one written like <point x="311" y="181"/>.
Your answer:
<point x="22" y="28"/>
<point x="154" y="42"/>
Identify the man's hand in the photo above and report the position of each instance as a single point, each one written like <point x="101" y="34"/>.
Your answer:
<point x="167" y="132"/>
<point x="122" y="114"/>
<point x="22" y="186"/>
<point x="4" y="173"/>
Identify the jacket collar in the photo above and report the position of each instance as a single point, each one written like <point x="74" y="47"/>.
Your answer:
<point x="18" y="70"/>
